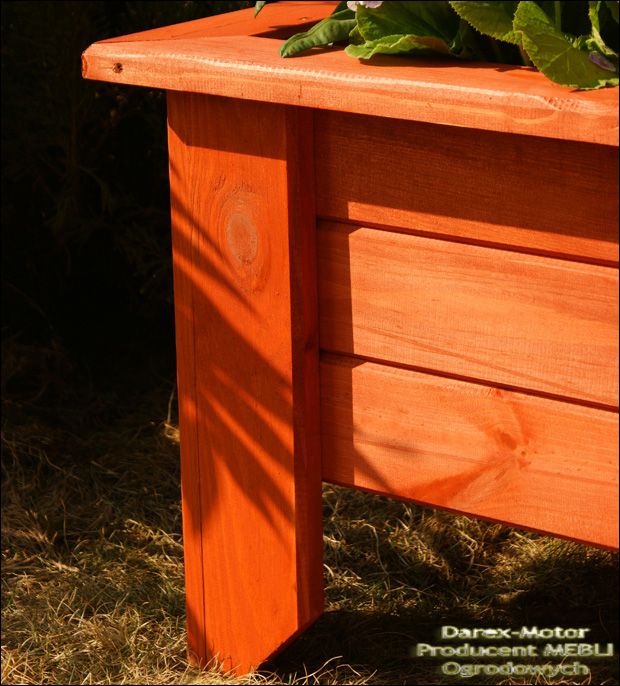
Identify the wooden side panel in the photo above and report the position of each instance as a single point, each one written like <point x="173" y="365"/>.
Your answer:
<point x="532" y="462"/>
<point x="248" y="375"/>
<point x="544" y="195"/>
<point x="517" y="320"/>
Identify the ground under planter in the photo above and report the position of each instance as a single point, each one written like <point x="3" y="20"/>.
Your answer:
<point x="397" y="276"/>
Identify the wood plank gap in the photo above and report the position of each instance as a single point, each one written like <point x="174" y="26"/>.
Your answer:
<point x="326" y="355"/>
<point x="568" y="257"/>
<point x="527" y="321"/>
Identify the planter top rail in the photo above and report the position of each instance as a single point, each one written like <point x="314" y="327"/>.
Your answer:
<point x="236" y="55"/>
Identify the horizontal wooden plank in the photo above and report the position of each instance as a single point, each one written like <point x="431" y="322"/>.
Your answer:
<point x="546" y="195"/>
<point x="523" y="321"/>
<point x="281" y="20"/>
<point x="523" y="460"/>
<point x="237" y="57"/>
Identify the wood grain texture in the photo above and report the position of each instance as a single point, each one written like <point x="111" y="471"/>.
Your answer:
<point x="531" y="462"/>
<point x="248" y="379"/>
<point x="191" y="472"/>
<point x="247" y="64"/>
<point x="524" y="321"/>
<point x="543" y="195"/>
<point x="281" y="20"/>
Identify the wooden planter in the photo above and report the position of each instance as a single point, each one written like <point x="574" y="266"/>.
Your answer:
<point x="397" y="276"/>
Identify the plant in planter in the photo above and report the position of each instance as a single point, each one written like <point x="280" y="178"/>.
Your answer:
<point x="572" y="43"/>
<point x="403" y="280"/>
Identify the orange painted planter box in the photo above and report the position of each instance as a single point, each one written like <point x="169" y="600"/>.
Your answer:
<point x="397" y="276"/>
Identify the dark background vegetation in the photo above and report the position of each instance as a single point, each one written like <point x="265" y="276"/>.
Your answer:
<point x="86" y="268"/>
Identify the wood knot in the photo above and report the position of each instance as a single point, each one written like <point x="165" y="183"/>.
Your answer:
<point x="505" y="439"/>
<point x="242" y="236"/>
<point x="117" y="68"/>
<point x="242" y="240"/>
<point x="245" y="249"/>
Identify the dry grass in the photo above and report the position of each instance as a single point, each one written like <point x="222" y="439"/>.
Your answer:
<point x="92" y="587"/>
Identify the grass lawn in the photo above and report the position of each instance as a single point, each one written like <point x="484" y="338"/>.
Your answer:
<point x="92" y="583"/>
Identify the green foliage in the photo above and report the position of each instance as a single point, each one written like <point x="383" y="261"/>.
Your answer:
<point x="330" y="30"/>
<point x="556" y="55"/>
<point x="574" y="44"/>
<point x="420" y="28"/>
<point x="491" y="18"/>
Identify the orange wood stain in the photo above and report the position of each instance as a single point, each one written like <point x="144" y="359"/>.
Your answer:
<point x="481" y="252"/>
<point x="533" y="322"/>
<point x="282" y="19"/>
<point x="544" y="464"/>
<point x="541" y="195"/>
<point x="248" y="379"/>
<point x="241" y="61"/>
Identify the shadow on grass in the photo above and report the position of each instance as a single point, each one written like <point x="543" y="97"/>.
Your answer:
<point x="397" y="573"/>
<point x="93" y="566"/>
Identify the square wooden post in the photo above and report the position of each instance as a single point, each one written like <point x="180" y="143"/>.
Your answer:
<point x="242" y="187"/>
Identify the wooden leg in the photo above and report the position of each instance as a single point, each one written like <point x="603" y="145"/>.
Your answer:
<point x="242" y="181"/>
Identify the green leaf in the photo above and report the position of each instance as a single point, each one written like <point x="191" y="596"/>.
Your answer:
<point x="420" y="19"/>
<point x="612" y="6"/>
<point x="594" y="11"/>
<point x="423" y="28"/>
<point x="556" y="54"/>
<point x="258" y="7"/>
<point x="604" y="30"/>
<point x="469" y="44"/>
<point x="355" y="37"/>
<point x="490" y="18"/>
<point x="399" y="44"/>
<point x="331" y="29"/>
